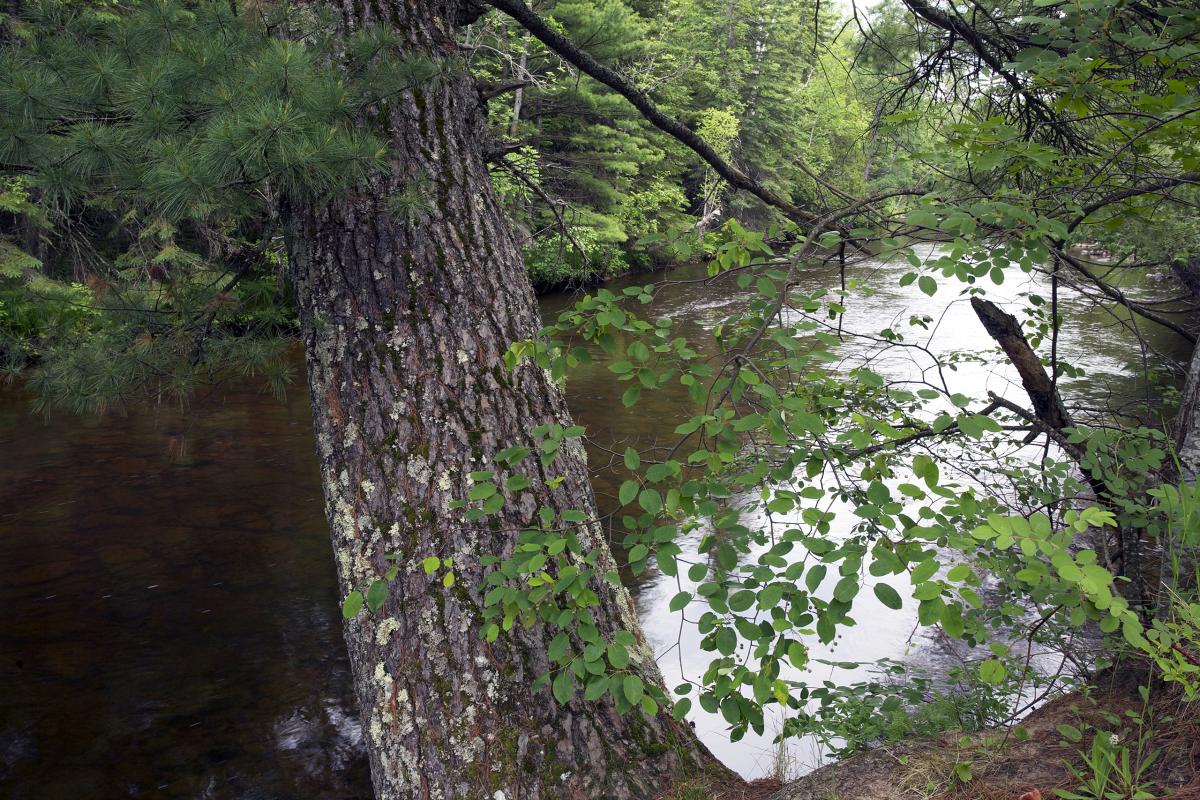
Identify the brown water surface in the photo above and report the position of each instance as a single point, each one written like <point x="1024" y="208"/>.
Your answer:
<point x="168" y="613"/>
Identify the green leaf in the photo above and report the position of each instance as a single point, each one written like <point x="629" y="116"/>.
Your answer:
<point x="742" y="600"/>
<point x="992" y="671"/>
<point x="958" y="573"/>
<point x="627" y="492"/>
<point x="430" y="564"/>
<point x="927" y="591"/>
<point x="618" y="656"/>
<point x="558" y="646"/>
<point x="352" y="605"/>
<point x="650" y="500"/>
<point x="564" y="686"/>
<point x="726" y="641"/>
<point x="1069" y="732"/>
<point x="377" y="595"/>
<point x="680" y="601"/>
<point x="481" y="491"/>
<point x="770" y="596"/>
<point x="825" y="630"/>
<point x="803" y="421"/>
<point x="681" y="709"/>
<point x="814" y="577"/>
<point x="922" y="218"/>
<point x="846" y="589"/>
<point x="969" y="424"/>
<point x="632" y="459"/>
<point x="888" y="596"/>
<point x="927" y="285"/>
<point x="952" y="621"/>
<point x="633" y="688"/>
<point x="596" y="688"/>
<point x="797" y="654"/>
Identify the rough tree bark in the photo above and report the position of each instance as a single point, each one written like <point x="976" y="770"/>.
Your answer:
<point x="1187" y="425"/>
<point x="406" y="317"/>
<point x="1187" y="450"/>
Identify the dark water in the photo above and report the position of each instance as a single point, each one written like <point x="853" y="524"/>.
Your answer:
<point x="169" y="623"/>
<point x="168" y="611"/>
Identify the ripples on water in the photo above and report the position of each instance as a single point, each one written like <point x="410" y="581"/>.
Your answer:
<point x="169" y="622"/>
<point x="169" y="619"/>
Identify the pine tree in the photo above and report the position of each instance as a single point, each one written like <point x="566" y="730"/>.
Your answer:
<point x="362" y="146"/>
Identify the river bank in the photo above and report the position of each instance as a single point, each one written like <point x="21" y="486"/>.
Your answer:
<point x="1164" y="748"/>
<point x="1061" y="746"/>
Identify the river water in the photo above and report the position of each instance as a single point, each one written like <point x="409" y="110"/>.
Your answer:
<point x="169" y="619"/>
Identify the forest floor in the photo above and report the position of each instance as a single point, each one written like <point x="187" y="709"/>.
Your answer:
<point x="999" y="765"/>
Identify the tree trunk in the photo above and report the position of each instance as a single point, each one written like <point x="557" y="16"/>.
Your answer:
<point x="1006" y="331"/>
<point x="406" y="317"/>
<point x="1187" y="271"/>
<point x="519" y="74"/>
<point x="1187" y="423"/>
<point x="1048" y="408"/>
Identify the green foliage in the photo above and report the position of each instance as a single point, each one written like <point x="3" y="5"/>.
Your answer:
<point x="1173" y="639"/>
<point x="763" y="586"/>
<point x="187" y="110"/>
<point x="805" y="482"/>
<point x="160" y="139"/>
<point x="556" y="262"/>
<point x="578" y="144"/>
<point x="750" y="78"/>
<point x="1115" y="765"/>
<point x="902" y="703"/>
<point x="38" y="314"/>
<point x="168" y="137"/>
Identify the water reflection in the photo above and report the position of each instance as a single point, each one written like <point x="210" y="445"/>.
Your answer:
<point x="169" y="621"/>
<point x="1092" y="340"/>
<point x="168" y="613"/>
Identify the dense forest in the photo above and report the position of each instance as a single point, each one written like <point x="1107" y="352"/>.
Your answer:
<point x="192" y="190"/>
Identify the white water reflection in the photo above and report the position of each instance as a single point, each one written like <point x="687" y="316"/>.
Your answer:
<point x="1090" y="341"/>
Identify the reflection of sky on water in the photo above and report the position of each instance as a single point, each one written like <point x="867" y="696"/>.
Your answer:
<point x="1089" y="340"/>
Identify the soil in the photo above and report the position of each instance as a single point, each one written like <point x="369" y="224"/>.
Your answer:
<point x="1002" y="766"/>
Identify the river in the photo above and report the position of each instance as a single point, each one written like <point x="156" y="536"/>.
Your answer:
<point x="169" y="619"/>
